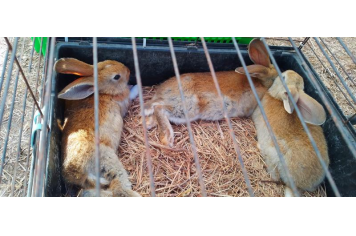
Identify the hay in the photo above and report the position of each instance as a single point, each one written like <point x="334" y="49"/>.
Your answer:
<point x="174" y="169"/>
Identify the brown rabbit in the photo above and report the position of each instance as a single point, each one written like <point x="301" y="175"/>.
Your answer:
<point x="300" y="157"/>
<point x="202" y="98"/>
<point x="78" y="148"/>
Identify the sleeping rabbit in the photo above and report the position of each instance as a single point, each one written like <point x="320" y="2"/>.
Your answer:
<point x="78" y="148"/>
<point x="302" y="162"/>
<point x="202" y="98"/>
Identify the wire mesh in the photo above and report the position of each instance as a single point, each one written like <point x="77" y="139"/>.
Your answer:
<point x="316" y="149"/>
<point x="37" y="165"/>
<point x="191" y="138"/>
<point x="332" y="110"/>
<point x="139" y="83"/>
<point x="280" y="156"/>
<point x="236" y="146"/>
<point x="42" y="157"/>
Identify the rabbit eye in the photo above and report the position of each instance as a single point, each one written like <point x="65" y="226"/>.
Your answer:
<point x="117" y="77"/>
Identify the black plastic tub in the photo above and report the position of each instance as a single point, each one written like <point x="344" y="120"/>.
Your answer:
<point x="156" y="66"/>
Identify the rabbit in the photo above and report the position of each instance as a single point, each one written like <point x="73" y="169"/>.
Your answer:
<point x="300" y="157"/>
<point x="78" y="147"/>
<point x="202" y="98"/>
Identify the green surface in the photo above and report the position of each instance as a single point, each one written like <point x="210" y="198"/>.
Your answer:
<point x="241" y="40"/>
<point x="38" y="44"/>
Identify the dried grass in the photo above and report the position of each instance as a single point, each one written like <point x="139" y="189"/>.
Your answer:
<point x="174" y="170"/>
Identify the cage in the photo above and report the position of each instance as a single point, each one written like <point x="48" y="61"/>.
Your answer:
<point x="218" y="158"/>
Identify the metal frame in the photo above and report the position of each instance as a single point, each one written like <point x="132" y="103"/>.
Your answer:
<point x="36" y="179"/>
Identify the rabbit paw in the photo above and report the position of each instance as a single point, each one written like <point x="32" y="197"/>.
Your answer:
<point x="150" y="122"/>
<point x="167" y="138"/>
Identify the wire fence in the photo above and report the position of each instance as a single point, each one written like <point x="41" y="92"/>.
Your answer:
<point x="32" y="157"/>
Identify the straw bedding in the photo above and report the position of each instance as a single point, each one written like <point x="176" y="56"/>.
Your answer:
<point x="174" y="169"/>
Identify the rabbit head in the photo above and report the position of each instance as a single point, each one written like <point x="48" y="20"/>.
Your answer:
<point x="113" y="77"/>
<point x="262" y="69"/>
<point x="310" y="109"/>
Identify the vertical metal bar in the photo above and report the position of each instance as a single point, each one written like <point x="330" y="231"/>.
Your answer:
<point x="338" y="62"/>
<point x="336" y="71"/>
<point x="44" y="72"/>
<point x="42" y="155"/>
<point x="3" y="101"/>
<point x="7" y="85"/>
<point x="22" y="121"/>
<point x="40" y="98"/>
<point x="312" y="141"/>
<point x="4" y="69"/>
<point x="139" y="83"/>
<point x="327" y="103"/>
<point x="268" y="125"/>
<point x="24" y="78"/>
<point x="232" y="134"/>
<point x="96" y="115"/>
<point x="11" y="111"/>
<point x="194" y="148"/>
<point x="346" y="49"/>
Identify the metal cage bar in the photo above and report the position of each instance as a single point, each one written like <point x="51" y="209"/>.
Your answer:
<point x="3" y="101"/>
<point x="189" y="127"/>
<point x="34" y="156"/>
<point x="25" y="79"/>
<point x="332" y="76"/>
<point x="335" y="69"/>
<point x="42" y="157"/>
<point x="22" y="120"/>
<point x="346" y="49"/>
<point x="11" y="110"/>
<point x="4" y="69"/>
<point x="39" y="164"/>
<point x="140" y="90"/>
<point x="227" y="119"/>
<point x="8" y="79"/>
<point x="338" y="62"/>
<point x="96" y="117"/>
<point x="28" y="187"/>
<point x="312" y="141"/>
<point x="332" y="111"/>
<point x="271" y="133"/>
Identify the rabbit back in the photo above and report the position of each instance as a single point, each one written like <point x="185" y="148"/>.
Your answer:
<point x="302" y="162"/>
<point x="202" y="98"/>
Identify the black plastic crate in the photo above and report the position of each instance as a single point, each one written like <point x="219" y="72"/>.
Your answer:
<point x="156" y="66"/>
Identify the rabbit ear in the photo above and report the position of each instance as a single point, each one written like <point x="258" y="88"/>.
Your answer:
<point x="287" y="102"/>
<point x="73" y="66"/>
<point x="256" y="71"/>
<point x="258" y="53"/>
<point x="312" y="111"/>
<point x="79" y="89"/>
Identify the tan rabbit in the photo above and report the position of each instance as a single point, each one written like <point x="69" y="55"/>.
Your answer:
<point x="202" y="98"/>
<point x="78" y="148"/>
<point x="300" y="157"/>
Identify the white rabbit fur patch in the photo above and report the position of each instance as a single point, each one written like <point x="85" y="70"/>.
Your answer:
<point x="133" y="92"/>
